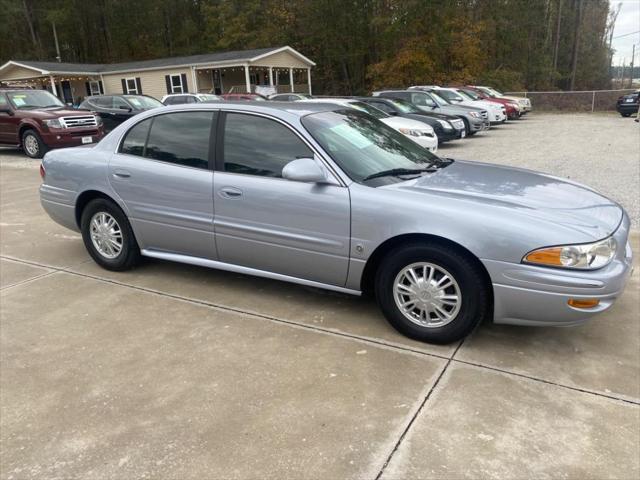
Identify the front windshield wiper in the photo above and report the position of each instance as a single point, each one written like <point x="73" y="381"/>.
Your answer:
<point x="394" y="172"/>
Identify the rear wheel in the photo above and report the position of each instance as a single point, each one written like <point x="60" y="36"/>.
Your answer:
<point x="107" y="235"/>
<point x="431" y="292"/>
<point x="625" y="114"/>
<point x="33" y="145"/>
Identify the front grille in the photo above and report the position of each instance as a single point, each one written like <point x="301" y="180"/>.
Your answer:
<point x="484" y="114"/>
<point x="79" y="121"/>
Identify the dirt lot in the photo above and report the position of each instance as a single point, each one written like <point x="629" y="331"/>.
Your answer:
<point x="174" y="371"/>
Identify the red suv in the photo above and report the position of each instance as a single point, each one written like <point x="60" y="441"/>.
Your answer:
<point x="511" y="107"/>
<point x="37" y="121"/>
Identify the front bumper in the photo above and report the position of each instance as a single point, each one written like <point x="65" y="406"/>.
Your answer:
<point x="430" y="143"/>
<point x="58" y="138"/>
<point x="538" y="296"/>
<point x="479" y="124"/>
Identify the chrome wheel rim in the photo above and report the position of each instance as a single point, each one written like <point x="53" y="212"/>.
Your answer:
<point x="427" y="294"/>
<point x="106" y="235"/>
<point x="31" y="145"/>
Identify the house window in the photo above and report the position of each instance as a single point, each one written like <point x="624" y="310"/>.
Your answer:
<point x="176" y="84"/>
<point x="94" y="88"/>
<point x="132" y="87"/>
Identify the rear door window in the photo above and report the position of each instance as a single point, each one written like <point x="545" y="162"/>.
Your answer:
<point x="181" y="138"/>
<point x="134" y="140"/>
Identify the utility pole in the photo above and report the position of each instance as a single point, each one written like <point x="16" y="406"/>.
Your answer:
<point x="633" y="55"/>
<point x="55" y="39"/>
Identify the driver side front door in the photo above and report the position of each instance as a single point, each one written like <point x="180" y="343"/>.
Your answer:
<point x="265" y="222"/>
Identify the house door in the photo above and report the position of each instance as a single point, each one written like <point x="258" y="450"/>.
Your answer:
<point x="67" y="96"/>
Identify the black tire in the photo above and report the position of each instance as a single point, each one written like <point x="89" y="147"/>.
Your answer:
<point x="625" y="114"/>
<point x="32" y="144"/>
<point x="474" y="291"/>
<point x="129" y="254"/>
<point x="467" y="128"/>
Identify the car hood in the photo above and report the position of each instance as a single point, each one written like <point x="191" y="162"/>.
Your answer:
<point x="403" y="122"/>
<point x="55" y="113"/>
<point x="543" y="198"/>
<point x="459" y="109"/>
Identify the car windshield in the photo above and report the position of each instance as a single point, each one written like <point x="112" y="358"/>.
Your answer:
<point x="487" y="91"/>
<point x="24" y="100"/>
<point x="469" y="94"/>
<point x="439" y="100"/>
<point x="144" y="103"/>
<point x="451" y="97"/>
<point x="404" y="106"/>
<point x="495" y="92"/>
<point x="364" y="107"/>
<point x="365" y="147"/>
<point x="207" y="97"/>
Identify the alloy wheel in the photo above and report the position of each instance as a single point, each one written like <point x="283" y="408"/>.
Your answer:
<point x="427" y="294"/>
<point x="106" y="235"/>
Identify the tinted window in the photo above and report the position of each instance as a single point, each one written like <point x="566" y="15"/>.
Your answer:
<point x="181" y="138"/>
<point x="106" y="102"/>
<point x="133" y="143"/>
<point x="259" y="146"/>
<point x="3" y="100"/>
<point x="119" y="102"/>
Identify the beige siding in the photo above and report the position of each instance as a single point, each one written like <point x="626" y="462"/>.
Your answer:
<point x="12" y="72"/>
<point x="205" y="83"/>
<point x="152" y="81"/>
<point x="281" y="59"/>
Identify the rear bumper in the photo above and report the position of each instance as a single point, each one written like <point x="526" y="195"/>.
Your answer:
<point x="627" y="108"/>
<point x="59" y="206"/>
<point x="538" y="296"/>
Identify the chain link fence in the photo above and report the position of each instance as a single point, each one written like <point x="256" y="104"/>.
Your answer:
<point x="582" y="101"/>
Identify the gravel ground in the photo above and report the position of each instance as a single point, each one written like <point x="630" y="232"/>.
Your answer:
<point x="600" y="150"/>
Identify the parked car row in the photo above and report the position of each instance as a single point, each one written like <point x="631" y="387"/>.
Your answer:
<point x="37" y="121"/>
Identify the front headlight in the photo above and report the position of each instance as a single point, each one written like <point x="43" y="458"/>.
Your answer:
<point x="585" y="257"/>
<point x="458" y="124"/>
<point x="446" y="125"/>
<point x="474" y="114"/>
<point x="514" y="105"/>
<point x="54" y="123"/>
<point x="98" y="120"/>
<point x="410" y="131"/>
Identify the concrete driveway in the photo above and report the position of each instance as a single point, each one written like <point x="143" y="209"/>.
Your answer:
<point x="174" y="371"/>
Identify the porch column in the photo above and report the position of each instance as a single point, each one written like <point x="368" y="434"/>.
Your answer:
<point x="247" y="79"/>
<point x="309" y="79"/>
<point x="53" y="85"/>
<point x="271" y="76"/>
<point x="194" y="79"/>
<point x="291" y="77"/>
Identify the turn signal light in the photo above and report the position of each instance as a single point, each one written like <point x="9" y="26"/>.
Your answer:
<point x="583" y="302"/>
<point x="548" y="256"/>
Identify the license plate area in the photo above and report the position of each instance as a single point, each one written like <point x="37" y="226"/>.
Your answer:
<point x="87" y="140"/>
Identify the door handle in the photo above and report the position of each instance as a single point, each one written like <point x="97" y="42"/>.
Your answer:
<point x="121" y="174"/>
<point x="230" y="192"/>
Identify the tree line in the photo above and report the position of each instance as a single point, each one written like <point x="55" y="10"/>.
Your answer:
<point x="358" y="45"/>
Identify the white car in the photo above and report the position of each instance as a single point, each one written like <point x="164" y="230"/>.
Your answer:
<point x="419" y="132"/>
<point x="181" y="98"/>
<point x="497" y="113"/>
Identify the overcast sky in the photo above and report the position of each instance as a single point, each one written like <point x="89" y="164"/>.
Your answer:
<point x="628" y="21"/>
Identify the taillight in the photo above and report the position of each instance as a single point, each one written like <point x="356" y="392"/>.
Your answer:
<point x="42" y="171"/>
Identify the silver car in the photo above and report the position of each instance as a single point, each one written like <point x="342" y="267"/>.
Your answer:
<point x="329" y="197"/>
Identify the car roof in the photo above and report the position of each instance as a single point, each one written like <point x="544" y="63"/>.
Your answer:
<point x="298" y="109"/>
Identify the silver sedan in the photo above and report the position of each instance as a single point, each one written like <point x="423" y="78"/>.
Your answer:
<point x="330" y="197"/>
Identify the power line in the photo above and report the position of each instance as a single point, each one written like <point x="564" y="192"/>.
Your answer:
<point x="627" y="34"/>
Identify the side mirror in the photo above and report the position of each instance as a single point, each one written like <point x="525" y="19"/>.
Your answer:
<point x="393" y="113"/>
<point x="122" y="107"/>
<point x="6" y="110"/>
<point x="304" y="170"/>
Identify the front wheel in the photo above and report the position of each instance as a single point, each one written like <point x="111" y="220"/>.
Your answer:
<point x="432" y="293"/>
<point x="107" y="235"/>
<point x="33" y="145"/>
<point x="625" y="114"/>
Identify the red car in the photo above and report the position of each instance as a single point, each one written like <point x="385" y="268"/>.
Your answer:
<point x="511" y="107"/>
<point x="243" y="96"/>
<point x="37" y="121"/>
